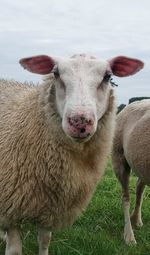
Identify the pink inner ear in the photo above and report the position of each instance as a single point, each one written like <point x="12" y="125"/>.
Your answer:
<point x="122" y="66"/>
<point x="41" y="64"/>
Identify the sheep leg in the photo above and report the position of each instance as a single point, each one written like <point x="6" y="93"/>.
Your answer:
<point x="44" y="237"/>
<point x="136" y="215"/>
<point x="128" y="231"/>
<point x="13" y="242"/>
<point x="122" y="171"/>
<point x="2" y="235"/>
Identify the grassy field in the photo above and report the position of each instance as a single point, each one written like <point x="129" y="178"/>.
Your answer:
<point x="99" y="231"/>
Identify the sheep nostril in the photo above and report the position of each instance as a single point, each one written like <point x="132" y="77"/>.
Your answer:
<point x="90" y="122"/>
<point x="82" y="130"/>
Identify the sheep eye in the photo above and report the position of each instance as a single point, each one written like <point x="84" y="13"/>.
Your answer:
<point x="56" y="72"/>
<point x="107" y="77"/>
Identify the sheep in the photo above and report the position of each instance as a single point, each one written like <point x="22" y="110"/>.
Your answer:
<point x="131" y="151"/>
<point x="54" y="142"/>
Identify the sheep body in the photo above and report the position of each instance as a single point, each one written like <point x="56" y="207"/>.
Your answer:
<point x="131" y="151"/>
<point x="44" y="177"/>
<point x="54" y="141"/>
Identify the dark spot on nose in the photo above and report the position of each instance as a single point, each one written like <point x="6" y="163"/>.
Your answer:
<point x="82" y="130"/>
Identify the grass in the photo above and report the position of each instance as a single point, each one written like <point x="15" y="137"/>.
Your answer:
<point x="99" y="231"/>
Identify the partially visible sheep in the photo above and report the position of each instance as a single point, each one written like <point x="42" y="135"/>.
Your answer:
<point x="131" y="150"/>
<point x="54" y="142"/>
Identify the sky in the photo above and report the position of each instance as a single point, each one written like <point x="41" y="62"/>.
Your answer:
<point x="103" y="28"/>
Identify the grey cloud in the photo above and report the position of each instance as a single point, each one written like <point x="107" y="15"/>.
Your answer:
<point x="103" y="28"/>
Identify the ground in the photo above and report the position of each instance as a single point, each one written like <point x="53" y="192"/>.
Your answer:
<point x="99" y="231"/>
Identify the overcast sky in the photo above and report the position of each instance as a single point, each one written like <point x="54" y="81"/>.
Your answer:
<point x="104" y="28"/>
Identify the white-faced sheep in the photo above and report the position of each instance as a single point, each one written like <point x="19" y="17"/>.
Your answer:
<point x="54" y="142"/>
<point x="131" y="150"/>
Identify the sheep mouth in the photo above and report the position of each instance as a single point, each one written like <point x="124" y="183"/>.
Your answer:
<point x="79" y="139"/>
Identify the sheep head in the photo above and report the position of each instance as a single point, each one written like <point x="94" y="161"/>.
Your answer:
<point x="83" y="87"/>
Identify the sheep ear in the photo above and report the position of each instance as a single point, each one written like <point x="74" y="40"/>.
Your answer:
<point x="41" y="64"/>
<point x="123" y="66"/>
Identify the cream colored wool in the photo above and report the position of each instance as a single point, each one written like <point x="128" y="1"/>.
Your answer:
<point x="45" y="177"/>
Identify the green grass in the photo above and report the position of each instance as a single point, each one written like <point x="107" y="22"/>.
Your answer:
<point x="99" y="231"/>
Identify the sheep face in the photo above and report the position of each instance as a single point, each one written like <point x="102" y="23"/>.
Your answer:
<point x="82" y="88"/>
<point x="82" y="93"/>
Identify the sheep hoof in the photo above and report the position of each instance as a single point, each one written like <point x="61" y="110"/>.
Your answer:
<point x="129" y="236"/>
<point x="139" y="223"/>
<point x="13" y="252"/>
<point x="130" y="240"/>
<point x="136" y="221"/>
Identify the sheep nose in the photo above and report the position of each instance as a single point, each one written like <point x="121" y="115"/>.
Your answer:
<point x="80" y="125"/>
<point x="80" y="121"/>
